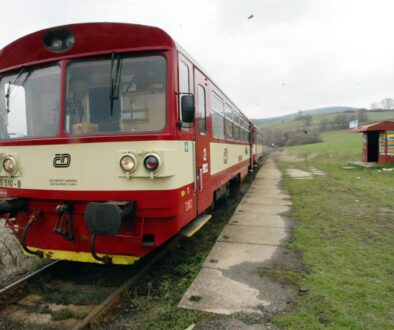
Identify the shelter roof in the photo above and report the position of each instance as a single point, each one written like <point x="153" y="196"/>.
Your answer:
<point x="380" y="126"/>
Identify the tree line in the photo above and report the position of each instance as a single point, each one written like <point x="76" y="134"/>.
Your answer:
<point x="385" y="104"/>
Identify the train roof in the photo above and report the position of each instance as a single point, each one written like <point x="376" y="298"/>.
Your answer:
<point x="90" y="38"/>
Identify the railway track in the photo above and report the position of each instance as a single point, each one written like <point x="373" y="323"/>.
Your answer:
<point x="14" y="291"/>
<point x="38" y="300"/>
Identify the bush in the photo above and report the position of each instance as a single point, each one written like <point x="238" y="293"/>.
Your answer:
<point x="303" y="137"/>
<point x="281" y="138"/>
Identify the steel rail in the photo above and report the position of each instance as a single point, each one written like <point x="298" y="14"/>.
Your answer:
<point x="116" y="296"/>
<point x="17" y="285"/>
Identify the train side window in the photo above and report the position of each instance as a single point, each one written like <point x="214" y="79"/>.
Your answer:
<point x="202" y="113"/>
<point x="228" y="123"/>
<point x="183" y="78"/>
<point x="247" y="132"/>
<point x="236" y="126"/>
<point x="242" y="130"/>
<point x="217" y="116"/>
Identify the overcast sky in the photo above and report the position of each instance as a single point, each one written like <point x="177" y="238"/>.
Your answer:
<point x="291" y="55"/>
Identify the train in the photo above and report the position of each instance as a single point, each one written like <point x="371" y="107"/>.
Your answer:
<point x="113" y="140"/>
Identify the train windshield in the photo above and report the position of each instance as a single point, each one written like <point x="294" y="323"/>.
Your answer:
<point x="117" y="95"/>
<point x="30" y="103"/>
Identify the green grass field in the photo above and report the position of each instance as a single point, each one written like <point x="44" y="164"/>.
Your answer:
<point x="337" y="147"/>
<point x="344" y="229"/>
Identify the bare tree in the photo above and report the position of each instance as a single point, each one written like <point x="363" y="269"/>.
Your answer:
<point x="374" y="106"/>
<point x="387" y="103"/>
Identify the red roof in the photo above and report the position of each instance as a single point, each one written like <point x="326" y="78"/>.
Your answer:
<point x="381" y="126"/>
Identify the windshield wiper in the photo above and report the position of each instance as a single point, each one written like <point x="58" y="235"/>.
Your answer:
<point x="9" y="89"/>
<point x="114" y="86"/>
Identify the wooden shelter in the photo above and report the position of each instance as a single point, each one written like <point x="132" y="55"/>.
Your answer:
<point x="378" y="143"/>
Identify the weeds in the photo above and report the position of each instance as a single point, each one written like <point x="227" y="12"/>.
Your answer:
<point x="282" y="276"/>
<point x="66" y="313"/>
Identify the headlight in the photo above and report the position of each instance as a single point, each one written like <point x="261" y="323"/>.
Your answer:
<point x="152" y="163"/>
<point x="128" y="163"/>
<point x="9" y="164"/>
<point x="59" y="40"/>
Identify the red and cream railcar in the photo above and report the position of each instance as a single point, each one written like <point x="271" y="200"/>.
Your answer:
<point x="112" y="140"/>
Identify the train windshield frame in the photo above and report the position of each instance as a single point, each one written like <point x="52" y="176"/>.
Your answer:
<point x="121" y="95"/>
<point x="30" y="103"/>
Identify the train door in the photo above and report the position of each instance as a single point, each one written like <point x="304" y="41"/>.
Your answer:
<point x="202" y="142"/>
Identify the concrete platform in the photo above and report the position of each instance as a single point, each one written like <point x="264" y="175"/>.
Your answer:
<point x="255" y="219"/>
<point x="262" y="209"/>
<point x="265" y="200"/>
<point x="317" y="172"/>
<point x="296" y="173"/>
<point x="225" y="255"/>
<point x="253" y="235"/>
<point x="214" y="292"/>
<point x="229" y="281"/>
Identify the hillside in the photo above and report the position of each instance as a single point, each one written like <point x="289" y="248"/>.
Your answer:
<point x="306" y="128"/>
<point x="325" y="110"/>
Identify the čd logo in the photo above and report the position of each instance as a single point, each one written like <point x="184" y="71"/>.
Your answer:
<point x="62" y="160"/>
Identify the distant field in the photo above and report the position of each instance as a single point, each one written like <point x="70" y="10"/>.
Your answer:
<point x="316" y="119"/>
<point x="345" y="233"/>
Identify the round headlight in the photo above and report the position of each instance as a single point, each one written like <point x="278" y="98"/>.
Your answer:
<point x="128" y="163"/>
<point x="59" y="40"/>
<point x="152" y="163"/>
<point x="9" y="164"/>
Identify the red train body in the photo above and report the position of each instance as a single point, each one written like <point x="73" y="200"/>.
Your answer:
<point x="101" y="159"/>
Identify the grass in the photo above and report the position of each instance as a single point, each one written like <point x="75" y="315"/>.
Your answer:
<point x="345" y="232"/>
<point x="338" y="148"/>
<point x="282" y="276"/>
<point x="66" y="313"/>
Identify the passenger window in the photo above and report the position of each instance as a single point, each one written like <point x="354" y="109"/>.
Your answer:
<point x="202" y="114"/>
<point x="217" y="116"/>
<point x="229" y="122"/>
<point x="183" y="78"/>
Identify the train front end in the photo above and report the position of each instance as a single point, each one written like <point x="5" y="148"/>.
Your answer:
<point x="91" y="168"/>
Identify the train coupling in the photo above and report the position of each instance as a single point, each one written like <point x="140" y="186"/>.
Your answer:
<point x="106" y="219"/>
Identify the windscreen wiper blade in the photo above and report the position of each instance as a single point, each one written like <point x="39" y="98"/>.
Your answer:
<point x="114" y="86"/>
<point x="9" y="89"/>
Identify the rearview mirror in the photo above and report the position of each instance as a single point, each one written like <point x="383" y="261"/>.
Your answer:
<point x="188" y="108"/>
